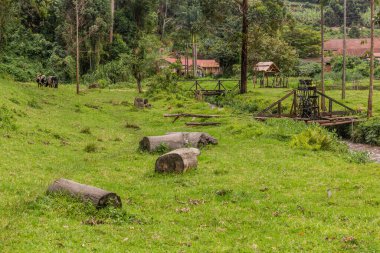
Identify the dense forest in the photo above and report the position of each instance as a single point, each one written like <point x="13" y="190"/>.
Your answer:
<point x="123" y="40"/>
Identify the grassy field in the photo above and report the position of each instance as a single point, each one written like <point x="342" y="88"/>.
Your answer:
<point x="252" y="192"/>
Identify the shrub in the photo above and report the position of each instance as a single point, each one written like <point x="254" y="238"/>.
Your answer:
<point x="368" y="132"/>
<point x="309" y="69"/>
<point x="86" y="130"/>
<point x="91" y="148"/>
<point x="314" y="138"/>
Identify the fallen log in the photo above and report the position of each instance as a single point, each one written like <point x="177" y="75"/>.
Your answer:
<point x="203" y="124"/>
<point x="174" y="141"/>
<point x="100" y="198"/>
<point x="178" y="161"/>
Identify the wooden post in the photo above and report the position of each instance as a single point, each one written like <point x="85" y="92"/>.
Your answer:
<point x="279" y="109"/>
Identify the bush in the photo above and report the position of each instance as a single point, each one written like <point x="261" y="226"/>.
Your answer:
<point x="91" y="148"/>
<point x="315" y="138"/>
<point x="164" y="81"/>
<point x="368" y="132"/>
<point x="309" y="69"/>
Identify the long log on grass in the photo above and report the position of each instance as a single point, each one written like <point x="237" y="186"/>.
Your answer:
<point x="190" y="115"/>
<point x="99" y="197"/>
<point x="178" y="161"/>
<point x="203" y="124"/>
<point x="172" y="141"/>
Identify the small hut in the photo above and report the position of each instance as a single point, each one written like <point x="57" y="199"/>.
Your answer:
<point x="264" y="70"/>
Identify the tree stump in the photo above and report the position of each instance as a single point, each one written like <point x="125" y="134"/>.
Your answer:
<point x="142" y="103"/>
<point x="100" y="198"/>
<point x="174" y="141"/>
<point x="178" y="161"/>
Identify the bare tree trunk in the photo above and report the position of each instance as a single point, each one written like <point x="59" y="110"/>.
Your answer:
<point x="139" y="86"/>
<point x="77" y="42"/>
<point x="112" y="2"/>
<point x="244" y="49"/>
<point x="164" y="21"/>
<point x="344" y="52"/>
<point x="372" y="64"/>
<point x="323" y="101"/>
<point x="194" y="52"/>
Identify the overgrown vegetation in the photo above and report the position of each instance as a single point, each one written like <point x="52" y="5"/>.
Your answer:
<point x="368" y="132"/>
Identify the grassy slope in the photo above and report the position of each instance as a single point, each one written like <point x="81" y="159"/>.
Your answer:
<point x="278" y="201"/>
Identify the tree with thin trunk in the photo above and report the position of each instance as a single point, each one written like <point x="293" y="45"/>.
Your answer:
<point x="323" y="101"/>
<point x="77" y="43"/>
<point x="344" y="50"/>
<point x="372" y="62"/>
<point x="244" y="48"/>
<point x="112" y="9"/>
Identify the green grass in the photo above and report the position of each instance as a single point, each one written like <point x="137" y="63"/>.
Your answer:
<point x="251" y="193"/>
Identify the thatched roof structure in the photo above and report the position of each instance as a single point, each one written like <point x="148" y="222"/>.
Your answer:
<point x="266" y="67"/>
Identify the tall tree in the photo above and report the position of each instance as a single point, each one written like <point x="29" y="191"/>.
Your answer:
<point x="344" y="49"/>
<point x="322" y="6"/>
<point x="372" y="62"/>
<point x="112" y="11"/>
<point x="244" y="48"/>
<point x="77" y="43"/>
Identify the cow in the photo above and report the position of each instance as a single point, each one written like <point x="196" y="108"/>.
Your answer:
<point x="41" y="80"/>
<point x="52" y="82"/>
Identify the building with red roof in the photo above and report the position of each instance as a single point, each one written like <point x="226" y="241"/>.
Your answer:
<point x="355" y="47"/>
<point x="205" y="67"/>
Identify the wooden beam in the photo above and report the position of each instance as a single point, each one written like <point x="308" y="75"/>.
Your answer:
<point x="274" y="104"/>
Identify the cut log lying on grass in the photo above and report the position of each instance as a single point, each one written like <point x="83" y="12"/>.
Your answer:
<point x="142" y="103"/>
<point x="178" y="161"/>
<point x="203" y="124"/>
<point x="190" y="115"/>
<point x="173" y="141"/>
<point x="100" y="198"/>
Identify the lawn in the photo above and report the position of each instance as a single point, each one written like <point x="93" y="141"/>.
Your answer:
<point x="252" y="192"/>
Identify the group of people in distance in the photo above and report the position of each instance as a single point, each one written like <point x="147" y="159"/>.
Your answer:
<point x="47" y="81"/>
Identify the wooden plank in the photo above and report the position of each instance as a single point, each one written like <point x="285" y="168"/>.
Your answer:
<point x="336" y="101"/>
<point x="275" y="103"/>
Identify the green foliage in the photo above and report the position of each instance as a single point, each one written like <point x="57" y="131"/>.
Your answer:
<point x="309" y="69"/>
<point x="314" y="138"/>
<point x="305" y="40"/>
<point x="165" y="81"/>
<point x="368" y="132"/>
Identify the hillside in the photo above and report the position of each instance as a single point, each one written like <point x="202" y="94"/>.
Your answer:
<point x="252" y="192"/>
